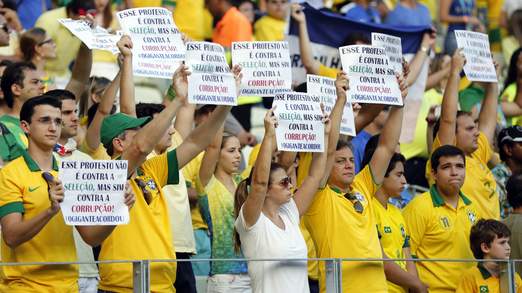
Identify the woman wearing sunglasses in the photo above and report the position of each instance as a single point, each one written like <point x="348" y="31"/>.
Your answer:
<point x="218" y="178"/>
<point x="37" y="47"/>
<point x="268" y="213"/>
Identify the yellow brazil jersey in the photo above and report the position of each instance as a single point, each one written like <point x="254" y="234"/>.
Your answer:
<point x="328" y="71"/>
<point x="98" y="154"/>
<point x="148" y="234"/>
<point x="479" y="185"/>
<point x="478" y="279"/>
<point x="437" y="230"/>
<point x="391" y="228"/>
<point x="341" y="229"/>
<point x="24" y="191"/>
<point x="191" y="173"/>
<point x="189" y="16"/>
<point x="268" y="28"/>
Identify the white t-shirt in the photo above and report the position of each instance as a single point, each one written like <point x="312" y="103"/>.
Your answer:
<point x="266" y="240"/>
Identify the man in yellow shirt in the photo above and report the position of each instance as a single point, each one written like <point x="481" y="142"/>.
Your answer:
<point x="33" y="229"/>
<point x="129" y="138"/>
<point x="271" y="27"/>
<point x="489" y="240"/>
<point x="439" y="221"/>
<point x="341" y="219"/>
<point x="474" y="139"/>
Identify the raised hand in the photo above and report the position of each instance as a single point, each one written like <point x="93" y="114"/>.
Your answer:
<point x="270" y="122"/>
<point x="180" y="82"/>
<point x="403" y="86"/>
<point x="297" y="13"/>
<point x="125" y="46"/>
<point x="342" y="84"/>
<point x="236" y="70"/>
<point x="458" y="61"/>
<point x="326" y="121"/>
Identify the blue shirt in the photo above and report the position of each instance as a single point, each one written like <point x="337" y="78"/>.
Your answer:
<point x="460" y="8"/>
<point x="359" y="144"/>
<point x="29" y="11"/>
<point x="404" y="16"/>
<point x="361" y="14"/>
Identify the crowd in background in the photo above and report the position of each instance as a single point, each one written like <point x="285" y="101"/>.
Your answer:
<point x="207" y="181"/>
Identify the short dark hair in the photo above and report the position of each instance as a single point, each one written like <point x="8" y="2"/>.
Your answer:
<point x="148" y="109"/>
<point x="341" y="144"/>
<point x="6" y="62"/>
<point x="61" y="94"/>
<point x="485" y="231"/>
<point x="80" y="6"/>
<point x="369" y="150"/>
<point x="445" y="151"/>
<point x="27" y="111"/>
<point x="14" y="74"/>
<point x="514" y="190"/>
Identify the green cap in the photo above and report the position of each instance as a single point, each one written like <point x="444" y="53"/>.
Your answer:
<point x="116" y="124"/>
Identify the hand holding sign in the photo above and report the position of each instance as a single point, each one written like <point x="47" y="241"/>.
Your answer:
<point x="56" y="192"/>
<point x="326" y="122"/>
<point x="125" y="46"/>
<point x="129" y="197"/>
<point x="238" y="75"/>
<point x="270" y="122"/>
<point x="180" y="82"/>
<point x="458" y="61"/>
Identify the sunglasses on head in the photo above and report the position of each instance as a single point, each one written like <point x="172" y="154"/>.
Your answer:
<point x="357" y="205"/>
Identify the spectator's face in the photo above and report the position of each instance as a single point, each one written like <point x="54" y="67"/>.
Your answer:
<point x="165" y="141"/>
<point x="450" y="174"/>
<point x="45" y="126"/>
<point x="499" y="248"/>
<point x="32" y="85"/>
<point x="342" y="173"/>
<point x="514" y="152"/>
<point x="277" y="8"/>
<point x="47" y="48"/>
<point x="70" y="119"/>
<point x="395" y="183"/>
<point x="280" y="188"/>
<point x="247" y="9"/>
<point x="230" y="155"/>
<point x="467" y="134"/>
<point x="122" y="142"/>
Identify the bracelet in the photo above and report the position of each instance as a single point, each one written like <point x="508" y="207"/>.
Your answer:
<point x="171" y="94"/>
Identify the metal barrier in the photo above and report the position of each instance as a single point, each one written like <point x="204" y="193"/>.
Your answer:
<point x="141" y="269"/>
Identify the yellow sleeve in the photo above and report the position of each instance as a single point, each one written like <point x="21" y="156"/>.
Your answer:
<point x="191" y="170"/>
<point x="328" y="71"/>
<point x="365" y="184"/>
<point x="320" y="202"/>
<point x="97" y="154"/>
<point x="305" y="160"/>
<point x="484" y="151"/>
<point x="466" y="284"/>
<point x="11" y="200"/>
<point x="164" y="167"/>
<point x="416" y="223"/>
<point x="518" y="283"/>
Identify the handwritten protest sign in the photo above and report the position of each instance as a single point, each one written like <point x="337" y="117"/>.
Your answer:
<point x="79" y="29"/>
<point x="157" y="45"/>
<point x="94" y="192"/>
<point x="393" y="48"/>
<point x="324" y="87"/>
<point x="479" y="63"/>
<point x="94" y="38"/>
<point x="211" y="81"/>
<point x="372" y="79"/>
<point x="265" y="66"/>
<point x="300" y="128"/>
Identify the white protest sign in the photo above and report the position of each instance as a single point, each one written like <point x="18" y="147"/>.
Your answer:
<point x="94" y="192"/>
<point x="479" y="63"/>
<point x="372" y="79"/>
<point x="106" y="42"/>
<point x="265" y="66"/>
<point x="393" y="48"/>
<point x="157" y="45"/>
<point x="211" y="81"/>
<point x="79" y="29"/>
<point x="324" y="87"/>
<point x="94" y="38"/>
<point x="300" y="127"/>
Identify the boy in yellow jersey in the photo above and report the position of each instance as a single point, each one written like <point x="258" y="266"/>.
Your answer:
<point x="271" y="27"/>
<point x="33" y="228"/>
<point x="489" y="239"/>
<point x="341" y="219"/>
<point x="132" y="139"/>
<point x="439" y="222"/>
<point x="474" y="139"/>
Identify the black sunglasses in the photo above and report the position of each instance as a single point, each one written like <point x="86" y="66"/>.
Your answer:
<point x="48" y="41"/>
<point x="357" y="205"/>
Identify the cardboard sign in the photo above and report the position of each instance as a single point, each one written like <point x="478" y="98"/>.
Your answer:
<point x="265" y="66"/>
<point x="372" y="79"/>
<point x="211" y="81"/>
<point x="393" y="48"/>
<point x="479" y="63"/>
<point x="300" y="127"/>
<point x="324" y="87"/>
<point x="94" y="192"/>
<point x="157" y="45"/>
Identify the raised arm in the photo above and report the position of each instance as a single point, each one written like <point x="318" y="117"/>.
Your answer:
<point x="448" y="116"/>
<point x="420" y="57"/>
<point x="342" y="84"/>
<point x="307" y="56"/>
<point x="81" y="72"/>
<point x="389" y="138"/>
<point x="305" y="194"/>
<point x="261" y="172"/>
<point x="127" y="103"/>
<point x="488" y="112"/>
<point x="201" y="137"/>
<point x="210" y="158"/>
<point x="147" y="137"/>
